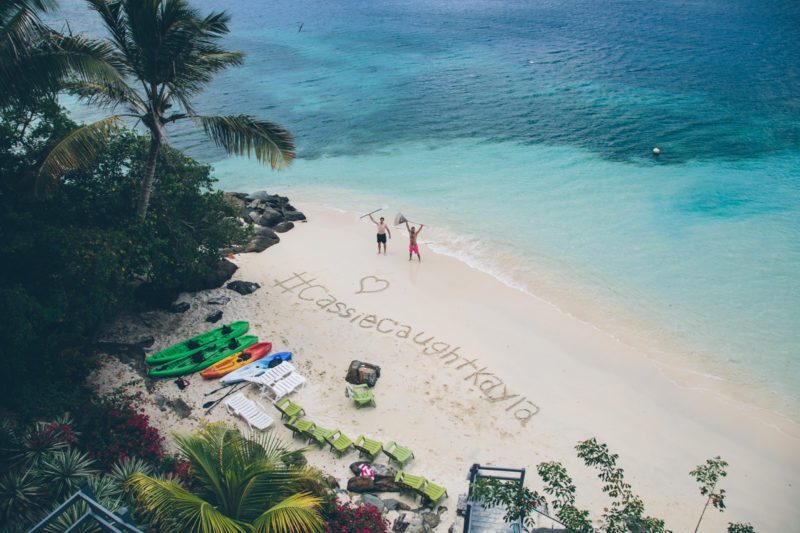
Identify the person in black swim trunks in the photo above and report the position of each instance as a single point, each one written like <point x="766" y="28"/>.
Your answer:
<point x="383" y="230"/>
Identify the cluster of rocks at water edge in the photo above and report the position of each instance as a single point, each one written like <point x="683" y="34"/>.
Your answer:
<point x="269" y="214"/>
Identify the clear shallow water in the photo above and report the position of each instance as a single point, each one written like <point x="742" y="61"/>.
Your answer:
<point x="522" y="130"/>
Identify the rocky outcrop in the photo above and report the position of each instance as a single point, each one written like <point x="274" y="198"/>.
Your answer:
<point x="243" y="287"/>
<point x="264" y="211"/>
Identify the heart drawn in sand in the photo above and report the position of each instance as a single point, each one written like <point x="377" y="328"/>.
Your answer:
<point x="372" y="284"/>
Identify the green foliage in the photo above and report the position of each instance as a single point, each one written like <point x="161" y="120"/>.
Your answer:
<point x="627" y="509"/>
<point x="240" y="483"/>
<point x="72" y="260"/>
<point x="559" y="484"/>
<point x="43" y="465"/>
<point x="520" y="502"/>
<point x="708" y="475"/>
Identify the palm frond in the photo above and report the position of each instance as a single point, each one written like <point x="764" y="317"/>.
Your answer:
<point x="75" y="150"/>
<point x="298" y="512"/>
<point x="108" y="94"/>
<point x="244" y="135"/>
<point x="172" y="506"/>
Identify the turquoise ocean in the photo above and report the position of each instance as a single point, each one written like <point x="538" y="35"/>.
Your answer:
<point x="521" y="132"/>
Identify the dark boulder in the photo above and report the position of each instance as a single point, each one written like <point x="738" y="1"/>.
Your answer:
<point x="332" y="482"/>
<point x="283" y="227"/>
<point x="214" y="317"/>
<point x="217" y="275"/>
<point x="179" y="407"/>
<point x="180" y="307"/>
<point x="219" y="300"/>
<point x="258" y="195"/>
<point x="234" y="200"/>
<point x="270" y="217"/>
<point x="360" y="484"/>
<point x="289" y="207"/>
<point x="295" y="216"/>
<point x="253" y="215"/>
<point x="396" y="505"/>
<point x="259" y="243"/>
<point x="243" y="287"/>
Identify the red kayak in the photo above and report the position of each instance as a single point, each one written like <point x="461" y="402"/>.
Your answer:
<point x="237" y="360"/>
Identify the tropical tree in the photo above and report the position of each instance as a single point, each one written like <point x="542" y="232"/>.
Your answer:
<point x="35" y="59"/>
<point x="164" y="53"/>
<point x="240" y="483"/>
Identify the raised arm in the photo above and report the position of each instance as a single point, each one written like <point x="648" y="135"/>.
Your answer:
<point x="408" y="227"/>
<point x="420" y="229"/>
<point x="372" y="219"/>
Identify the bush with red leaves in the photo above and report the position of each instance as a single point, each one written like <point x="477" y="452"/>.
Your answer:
<point x="113" y="428"/>
<point x="351" y="519"/>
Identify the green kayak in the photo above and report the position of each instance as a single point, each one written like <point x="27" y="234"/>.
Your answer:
<point x="202" y="358"/>
<point x="189" y="346"/>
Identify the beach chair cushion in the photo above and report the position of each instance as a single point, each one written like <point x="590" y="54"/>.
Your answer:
<point x="410" y="481"/>
<point x="399" y="454"/>
<point x="319" y="434"/>
<point x="253" y="414"/>
<point x="298" y="425"/>
<point x="367" y="446"/>
<point x="362" y="395"/>
<point x="339" y="441"/>
<point x="288" y="408"/>
<point x="433" y="492"/>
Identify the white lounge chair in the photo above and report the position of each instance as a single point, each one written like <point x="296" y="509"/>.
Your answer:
<point x="252" y="413"/>
<point x="278" y="372"/>
<point x="285" y="386"/>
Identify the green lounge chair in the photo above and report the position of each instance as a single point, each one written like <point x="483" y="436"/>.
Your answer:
<point x="299" y="426"/>
<point x="433" y="492"/>
<point x="318" y="434"/>
<point x="410" y="481"/>
<point x="368" y="447"/>
<point x="339" y="442"/>
<point x="399" y="454"/>
<point x="288" y="408"/>
<point x="361" y="394"/>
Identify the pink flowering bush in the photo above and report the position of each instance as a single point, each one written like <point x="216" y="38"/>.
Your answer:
<point x="349" y="518"/>
<point x="114" y="428"/>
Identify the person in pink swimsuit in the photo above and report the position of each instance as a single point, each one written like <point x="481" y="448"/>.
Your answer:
<point x="413" y="247"/>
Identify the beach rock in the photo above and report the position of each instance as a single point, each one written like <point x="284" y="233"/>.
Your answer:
<point x="369" y="499"/>
<point x="270" y="217"/>
<point x="221" y="272"/>
<point x="289" y="207"/>
<point x="160" y="401"/>
<point x="295" y="216"/>
<point x="234" y="200"/>
<point x="259" y="243"/>
<point x="393" y="505"/>
<point x="219" y="300"/>
<point x="430" y="519"/>
<point x="332" y="482"/>
<point x="214" y="317"/>
<point x="180" y="307"/>
<point x="179" y="407"/>
<point x="263" y="231"/>
<point x="258" y="195"/>
<point x="360" y="484"/>
<point x="283" y="227"/>
<point x="243" y="287"/>
<point x="381" y="471"/>
<point x="253" y="216"/>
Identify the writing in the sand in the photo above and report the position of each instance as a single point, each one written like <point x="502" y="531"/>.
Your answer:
<point x="490" y="386"/>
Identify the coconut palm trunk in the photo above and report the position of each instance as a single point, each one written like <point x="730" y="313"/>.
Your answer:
<point x="149" y="175"/>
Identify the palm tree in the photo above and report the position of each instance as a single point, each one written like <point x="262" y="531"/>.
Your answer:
<point x="164" y="53"/>
<point x="34" y="59"/>
<point x="243" y="484"/>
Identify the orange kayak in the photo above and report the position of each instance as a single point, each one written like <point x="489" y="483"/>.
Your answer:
<point x="237" y="360"/>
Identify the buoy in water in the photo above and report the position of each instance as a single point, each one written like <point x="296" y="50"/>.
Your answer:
<point x="656" y="151"/>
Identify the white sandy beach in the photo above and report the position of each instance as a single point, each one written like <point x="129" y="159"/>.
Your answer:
<point x="474" y="371"/>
